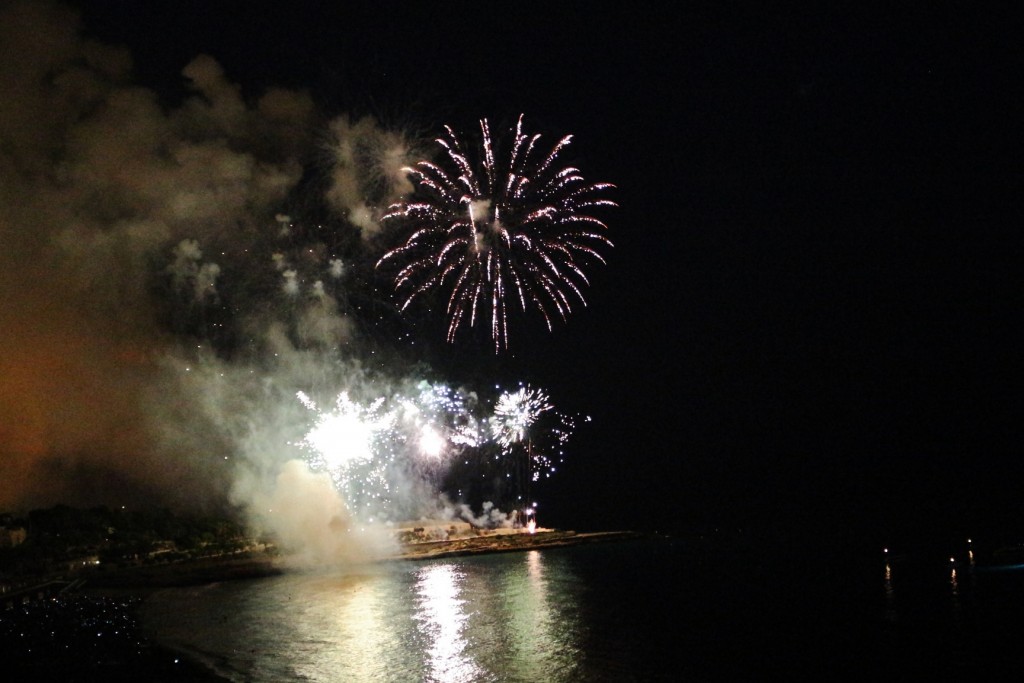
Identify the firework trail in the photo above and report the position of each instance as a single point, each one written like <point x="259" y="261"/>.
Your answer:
<point x="492" y="230"/>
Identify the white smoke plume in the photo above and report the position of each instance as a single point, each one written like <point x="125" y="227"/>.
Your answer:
<point x="304" y="510"/>
<point x="104" y="189"/>
<point x="368" y="174"/>
<point x="490" y="517"/>
<point x="190" y="274"/>
<point x="96" y="181"/>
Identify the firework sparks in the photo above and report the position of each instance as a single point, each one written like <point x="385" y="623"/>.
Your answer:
<point x="371" y="448"/>
<point x="543" y="461"/>
<point x="492" y="231"/>
<point x="358" y="446"/>
<point x="515" y="412"/>
<point x="514" y="422"/>
<point x="347" y="434"/>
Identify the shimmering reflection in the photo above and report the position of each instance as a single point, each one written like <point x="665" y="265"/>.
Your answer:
<point x="501" y="619"/>
<point x="532" y="621"/>
<point x="890" y="595"/>
<point x="302" y="627"/>
<point x="442" y="619"/>
<point x="538" y="609"/>
<point x="343" y="629"/>
<point x="509" y="617"/>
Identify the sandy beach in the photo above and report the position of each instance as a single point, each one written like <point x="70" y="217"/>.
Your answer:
<point x="542" y="538"/>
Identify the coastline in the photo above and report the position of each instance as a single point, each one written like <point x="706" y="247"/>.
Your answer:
<point x="143" y="579"/>
<point x="502" y="543"/>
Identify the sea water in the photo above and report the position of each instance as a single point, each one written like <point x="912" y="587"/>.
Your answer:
<point x="622" y="611"/>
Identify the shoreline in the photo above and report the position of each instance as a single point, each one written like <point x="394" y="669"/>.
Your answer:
<point x="501" y="543"/>
<point x="144" y="579"/>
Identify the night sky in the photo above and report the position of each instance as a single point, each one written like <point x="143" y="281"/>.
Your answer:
<point x="811" y="318"/>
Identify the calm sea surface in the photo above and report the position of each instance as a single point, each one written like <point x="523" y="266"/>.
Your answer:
<point x="626" y="611"/>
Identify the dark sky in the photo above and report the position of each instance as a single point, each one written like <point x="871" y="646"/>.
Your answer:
<point x="812" y="314"/>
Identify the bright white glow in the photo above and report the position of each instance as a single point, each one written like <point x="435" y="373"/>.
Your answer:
<point x="346" y="435"/>
<point x="442" y="618"/>
<point x="382" y="449"/>
<point x="431" y="443"/>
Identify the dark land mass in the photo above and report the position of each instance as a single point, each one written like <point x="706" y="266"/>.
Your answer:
<point x="189" y="572"/>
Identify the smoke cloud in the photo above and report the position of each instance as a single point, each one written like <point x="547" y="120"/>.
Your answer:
<point x="159" y="308"/>
<point x="367" y="175"/>
<point x="304" y="510"/>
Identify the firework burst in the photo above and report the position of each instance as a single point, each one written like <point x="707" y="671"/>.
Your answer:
<point x="491" y="231"/>
<point x="515" y="412"/>
<point x="381" y="449"/>
<point x="525" y="420"/>
<point x="384" y="449"/>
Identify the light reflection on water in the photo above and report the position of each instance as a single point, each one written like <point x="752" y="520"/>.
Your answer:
<point x="642" y="611"/>
<point x="442" y="618"/>
<point x="488" y="618"/>
<point x="546" y="634"/>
